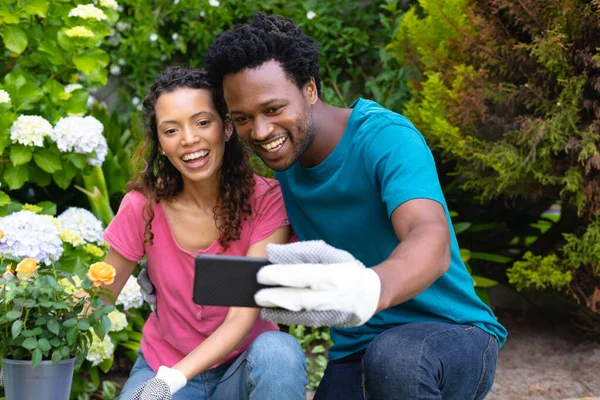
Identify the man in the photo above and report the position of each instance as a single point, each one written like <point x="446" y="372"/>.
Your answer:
<point x="362" y="180"/>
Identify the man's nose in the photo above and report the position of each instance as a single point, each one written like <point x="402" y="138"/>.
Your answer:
<point x="262" y="129"/>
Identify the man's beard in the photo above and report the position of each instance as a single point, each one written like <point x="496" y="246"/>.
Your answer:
<point x="303" y="143"/>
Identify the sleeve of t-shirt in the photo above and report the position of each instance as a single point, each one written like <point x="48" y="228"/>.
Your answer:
<point x="269" y="212"/>
<point x="125" y="233"/>
<point x="402" y="166"/>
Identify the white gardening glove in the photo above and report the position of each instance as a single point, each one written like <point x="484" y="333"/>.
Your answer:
<point x="323" y="286"/>
<point x="163" y="386"/>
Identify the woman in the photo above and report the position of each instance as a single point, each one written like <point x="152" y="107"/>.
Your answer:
<point x="198" y="195"/>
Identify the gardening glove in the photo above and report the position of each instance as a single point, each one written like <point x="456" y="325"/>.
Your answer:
<point x="163" y="386"/>
<point x="146" y="286"/>
<point x="323" y="286"/>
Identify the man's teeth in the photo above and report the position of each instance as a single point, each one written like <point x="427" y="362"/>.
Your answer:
<point x="274" y="145"/>
<point x="193" y="156"/>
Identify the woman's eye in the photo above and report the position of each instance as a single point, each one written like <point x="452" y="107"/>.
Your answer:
<point x="203" y="122"/>
<point x="170" y="131"/>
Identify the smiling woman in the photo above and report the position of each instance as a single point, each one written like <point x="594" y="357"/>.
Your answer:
<point x="198" y="195"/>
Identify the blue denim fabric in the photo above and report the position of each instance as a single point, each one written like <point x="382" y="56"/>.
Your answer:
<point x="426" y="360"/>
<point x="273" y="367"/>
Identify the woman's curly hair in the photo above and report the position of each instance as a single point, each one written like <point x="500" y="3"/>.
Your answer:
<point x="264" y="38"/>
<point x="160" y="180"/>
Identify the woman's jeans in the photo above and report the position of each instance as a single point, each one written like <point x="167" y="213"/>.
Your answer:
<point x="273" y="367"/>
<point x="427" y="360"/>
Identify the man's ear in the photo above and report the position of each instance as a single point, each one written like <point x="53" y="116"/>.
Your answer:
<point x="312" y="94"/>
<point x="228" y="127"/>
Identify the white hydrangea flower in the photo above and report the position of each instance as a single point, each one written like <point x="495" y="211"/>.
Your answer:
<point x="27" y="234"/>
<point x="88" y="11"/>
<point x="79" y="31"/>
<point x="109" y="4"/>
<point x="4" y="96"/>
<point x="83" y="223"/>
<point x="122" y="26"/>
<point x="68" y="236"/>
<point x="118" y="321"/>
<point x="82" y="135"/>
<point x="311" y="14"/>
<point x="175" y="36"/>
<point x="100" y="349"/>
<point x="122" y="61"/>
<point x="131" y="295"/>
<point x="175" y="2"/>
<point x="30" y="130"/>
<point x="153" y="37"/>
<point x="202" y="13"/>
<point x="214" y="3"/>
<point x="115" y="70"/>
<point x="71" y="87"/>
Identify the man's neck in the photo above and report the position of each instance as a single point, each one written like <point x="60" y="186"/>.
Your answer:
<point x="330" y="124"/>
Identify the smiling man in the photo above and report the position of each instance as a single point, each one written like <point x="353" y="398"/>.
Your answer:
<point x="406" y="322"/>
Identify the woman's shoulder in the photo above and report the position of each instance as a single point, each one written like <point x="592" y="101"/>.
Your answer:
<point x="264" y="186"/>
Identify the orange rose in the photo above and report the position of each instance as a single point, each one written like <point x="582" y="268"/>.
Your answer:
<point x="26" y="268"/>
<point x="100" y="273"/>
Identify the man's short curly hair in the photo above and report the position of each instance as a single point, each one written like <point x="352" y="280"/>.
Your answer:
<point x="264" y="38"/>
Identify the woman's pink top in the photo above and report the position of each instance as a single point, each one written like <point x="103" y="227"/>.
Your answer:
<point x="181" y="324"/>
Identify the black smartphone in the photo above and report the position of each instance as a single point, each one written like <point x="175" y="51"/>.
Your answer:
<point x="222" y="280"/>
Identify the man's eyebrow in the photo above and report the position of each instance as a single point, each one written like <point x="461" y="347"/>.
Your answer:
<point x="208" y="113"/>
<point x="261" y="105"/>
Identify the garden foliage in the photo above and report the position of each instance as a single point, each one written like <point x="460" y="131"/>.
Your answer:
<point x="509" y="94"/>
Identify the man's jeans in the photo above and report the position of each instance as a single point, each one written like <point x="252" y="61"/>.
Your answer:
<point x="273" y="367"/>
<point x="428" y="360"/>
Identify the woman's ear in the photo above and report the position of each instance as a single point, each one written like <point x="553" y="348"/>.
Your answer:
<point x="228" y="127"/>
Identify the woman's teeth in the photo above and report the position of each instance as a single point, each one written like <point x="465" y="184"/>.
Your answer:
<point x="194" y="156"/>
<point x="275" y="145"/>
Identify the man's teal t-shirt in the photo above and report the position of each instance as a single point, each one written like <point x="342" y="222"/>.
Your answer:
<point x="381" y="162"/>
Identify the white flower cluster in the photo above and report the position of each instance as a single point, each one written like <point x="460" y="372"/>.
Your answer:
<point x="4" y="96"/>
<point x="109" y="4"/>
<point x="71" y="87"/>
<point x="79" y="31"/>
<point x="118" y="321"/>
<point x="131" y="295"/>
<point x="27" y="234"/>
<point x="30" y="130"/>
<point x="82" y="135"/>
<point x="83" y="223"/>
<point x="100" y="349"/>
<point x="88" y="11"/>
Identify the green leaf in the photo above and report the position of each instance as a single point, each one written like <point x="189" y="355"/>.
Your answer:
<point x="77" y="103"/>
<point x="44" y="344"/>
<point x="72" y="336"/>
<point x="65" y="352"/>
<point x="70" y="323"/>
<point x="83" y="324"/>
<point x="4" y="198"/>
<point x="491" y="257"/>
<point x="37" y="176"/>
<point x="16" y="328"/>
<point x="481" y="282"/>
<point x="56" y="356"/>
<point x="8" y="17"/>
<point x="27" y="96"/>
<point x="64" y="177"/>
<point x="15" y="177"/>
<point x="78" y="160"/>
<point x="20" y="154"/>
<point x="106" y="364"/>
<point x="465" y="255"/>
<point x="36" y="357"/>
<point x="105" y="323"/>
<point x="91" y="60"/>
<point x="48" y="207"/>
<point x="14" y="314"/>
<point x="36" y="7"/>
<point x="54" y="326"/>
<point x="47" y="160"/>
<point x="15" y="39"/>
<point x="30" y="343"/>
<point x="460" y="227"/>
<point x="79" y="360"/>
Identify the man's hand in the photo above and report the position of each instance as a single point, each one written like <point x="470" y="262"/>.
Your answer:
<point x="323" y="286"/>
<point x="163" y="386"/>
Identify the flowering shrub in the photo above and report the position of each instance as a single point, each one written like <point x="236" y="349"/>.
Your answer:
<point x="40" y="319"/>
<point x="51" y="59"/>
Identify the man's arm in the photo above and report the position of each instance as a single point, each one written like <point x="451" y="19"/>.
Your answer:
<point x="422" y="256"/>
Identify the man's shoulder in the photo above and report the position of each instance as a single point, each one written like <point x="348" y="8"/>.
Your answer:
<point x="372" y="113"/>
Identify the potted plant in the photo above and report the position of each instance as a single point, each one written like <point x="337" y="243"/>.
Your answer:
<point x="49" y="313"/>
